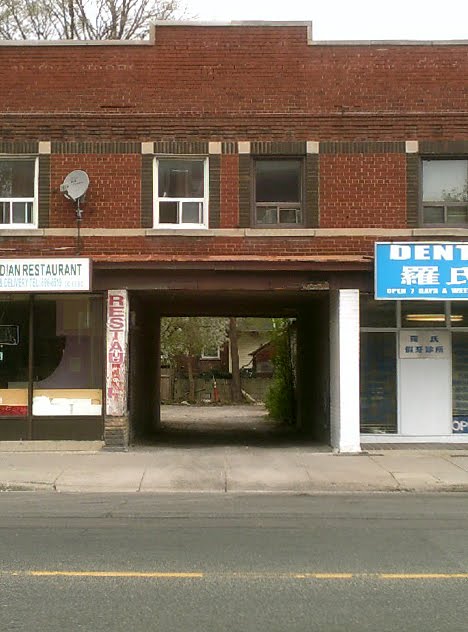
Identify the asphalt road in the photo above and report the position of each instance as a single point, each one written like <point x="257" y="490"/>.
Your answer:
<point x="209" y="563"/>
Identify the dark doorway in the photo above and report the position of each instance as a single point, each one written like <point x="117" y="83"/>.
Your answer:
<point x="185" y="425"/>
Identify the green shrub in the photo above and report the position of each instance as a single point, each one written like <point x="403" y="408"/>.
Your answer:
<point x="281" y="398"/>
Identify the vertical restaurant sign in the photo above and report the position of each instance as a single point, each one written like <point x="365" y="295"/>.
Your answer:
<point x="117" y="352"/>
<point x="421" y="271"/>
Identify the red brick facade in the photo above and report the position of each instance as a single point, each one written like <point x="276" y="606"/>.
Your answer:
<point x="110" y="202"/>
<point x="363" y="190"/>
<point x="229" y="191"/>
<point x="356" y="104"/>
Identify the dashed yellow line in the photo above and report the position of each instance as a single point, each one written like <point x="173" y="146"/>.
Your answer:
<point x="324" y="575"/>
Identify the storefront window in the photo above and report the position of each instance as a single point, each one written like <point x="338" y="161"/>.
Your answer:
<point x="376" y="313"/>
<point x="413" y="344"/>
<point x="14" y="356"/>
<point x="460" y="373"/>
<point x="378" y="382"/>
<point x="459" y="314"/>
<point x="67" y="367"/>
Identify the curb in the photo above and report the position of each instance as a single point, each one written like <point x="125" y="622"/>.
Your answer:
<point x="331" y="489"/>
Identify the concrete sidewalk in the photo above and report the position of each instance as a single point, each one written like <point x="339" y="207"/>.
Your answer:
<point x="235" y="469"/>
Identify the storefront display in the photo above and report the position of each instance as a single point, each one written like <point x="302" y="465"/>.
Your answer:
<point x="51" y="357"/>
<point x="414" y="368"/>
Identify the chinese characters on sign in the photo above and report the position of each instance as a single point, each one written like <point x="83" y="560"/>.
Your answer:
<point x="117" y="341"/>
<point x="416" y="344"/>
<point x="419" y="275"/>
<point x="421" y="271"/>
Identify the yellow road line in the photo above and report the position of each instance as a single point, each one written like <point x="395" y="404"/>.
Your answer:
<point x="324" y="576"/>
<point x="157" y="575"/>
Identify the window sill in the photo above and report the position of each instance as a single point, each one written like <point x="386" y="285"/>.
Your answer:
<point x="440" y="230"/>
<point x="231" y="232"/>
<point x="260" y="231"/>
<point x="181" y="232"/>
<point x="22" y="232"/>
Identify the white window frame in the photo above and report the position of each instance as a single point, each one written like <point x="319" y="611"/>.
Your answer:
<point x="211" y="357"/>
<point x="35" y="200"/>
<point x="442" y="204"/>
<point x="204" y="201"/>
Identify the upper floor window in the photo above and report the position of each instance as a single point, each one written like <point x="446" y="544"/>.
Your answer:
<point x="445" y="192"/>
<point x="278" y="192"/>
<point x="181" y="192"/>
<point x="18" y="192"/>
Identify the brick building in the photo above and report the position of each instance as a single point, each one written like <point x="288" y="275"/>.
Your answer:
<point x="239" y="169"/>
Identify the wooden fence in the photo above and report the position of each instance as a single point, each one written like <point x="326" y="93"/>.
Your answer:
<point x="177" y="389"/>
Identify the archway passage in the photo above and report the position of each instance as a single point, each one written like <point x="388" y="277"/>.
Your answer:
<point x="184" y="425"/>
<point x="244" y="424"/>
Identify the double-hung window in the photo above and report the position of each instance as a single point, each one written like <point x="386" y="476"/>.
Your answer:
<point x="445" y="192"/>
<point x="278" y="192"/>
<point x="181" y="192"/>
<point x="18" y="192"/>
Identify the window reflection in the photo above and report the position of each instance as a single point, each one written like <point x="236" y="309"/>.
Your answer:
<point x="67" y="356"/>
<point x="14" y="356"/>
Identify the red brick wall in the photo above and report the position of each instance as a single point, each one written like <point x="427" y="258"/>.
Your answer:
<point x="229" y="191"/>
<point x="191" y="249"/>
<point x="361" y="190"/>
<point x="113" y="197"/>
<point x="230" y="83"/>
<point x="224" y="82"/>
<point x="235" y="70"/>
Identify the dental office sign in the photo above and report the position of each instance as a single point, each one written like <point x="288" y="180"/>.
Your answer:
<point x="421" y="271"/>
<point x="69" y="274"/>
<point x="416" y="344"/>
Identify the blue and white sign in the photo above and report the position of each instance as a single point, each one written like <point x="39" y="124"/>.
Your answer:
<point x="421" y="271"/>
<point x="460" y="425"/>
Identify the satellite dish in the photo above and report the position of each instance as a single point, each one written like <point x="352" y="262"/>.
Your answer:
<point x="75" y="185"/>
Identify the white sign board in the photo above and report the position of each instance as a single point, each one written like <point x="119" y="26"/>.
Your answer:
<point x="69" y="274"/>
<point x="416" y="344"/>
<point x="117" y="352"/>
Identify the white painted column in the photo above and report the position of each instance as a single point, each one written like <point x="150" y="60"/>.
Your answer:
<point x="344" y="370"/>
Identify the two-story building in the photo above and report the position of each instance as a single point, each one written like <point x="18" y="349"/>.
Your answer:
<point x="236" y="169"/>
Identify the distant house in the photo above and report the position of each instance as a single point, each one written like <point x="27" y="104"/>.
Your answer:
<point x="215" y="361"/>
<point x="252" y="333"/>
<point x="262" y="360"/>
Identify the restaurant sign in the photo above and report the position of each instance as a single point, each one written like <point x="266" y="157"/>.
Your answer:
<point x="421" y="271"/>
<point x="117" y="352"/>
<point x="68" y="274"/>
